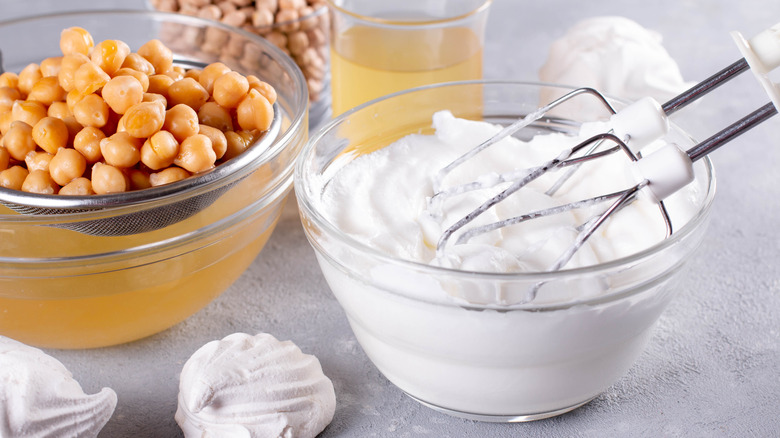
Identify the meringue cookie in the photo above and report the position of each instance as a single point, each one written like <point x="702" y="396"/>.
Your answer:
<point x="616" y="56"/>
<point x="253" y="386"/>
<point x="40" y="398"/>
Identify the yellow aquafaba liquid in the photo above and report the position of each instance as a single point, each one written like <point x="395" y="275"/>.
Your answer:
<point x="369" y="62"/>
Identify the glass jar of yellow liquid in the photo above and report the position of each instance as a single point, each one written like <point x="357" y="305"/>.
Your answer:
<point x="378" y="48"/>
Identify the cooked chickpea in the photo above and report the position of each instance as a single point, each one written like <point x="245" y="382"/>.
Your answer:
<point x="87" y="141"/>
<point x="217" y="137"/>
<point x="142" y="120"/>
<point x="189" y="92"/>
<point x="75" y="40"/>
<point x="141" y="77"/>
<point x="67" y="165"/>
<point x="212" y="114"/>
<point x="159" y="84"/>
<point x="210" y="74"/>
<point x="139" y="179"/>
<point x="38" y="161"/>
<point x="159" y="150"/>
<point x="70" y="64"/>
<point x="109" y="55"/>
<point x="122" y="92"/>
<point x="91" y="110"/>
<point x="5" y="157"/>
<point x="28" y="77"/>
<point x="167" y="176"/>
<point x="8" y="96"/>
<point x="59" y="110"/>
<point x="78" y="187"/>
<point x="136" y="62"/>
<point x="174" y="74"/>
<point x="28" y="111"/>
<point x="13" y="177"/>
<point x="181" y="121"/>
<point x="255" y="112"/>
<point x="89" y="78"/>
<point x="230" y="89"/>
<point x="18" y="141"/>
<point x="121" y="150"/>
<point x="196" y="154"/>
<point x="9" y="79"/>
<point x="107" y="179"/>
<point x="51" y="134"/>
<point x="39" y="181"/>
<point x="236" y="144"/>
<point x="6" y="118"/>
<point x="157" y="54"/>
<point x="51" y="66"/>
<point x="47" y="90"/>
<point x="154" y="97"/>
<point x="72" y="98"/>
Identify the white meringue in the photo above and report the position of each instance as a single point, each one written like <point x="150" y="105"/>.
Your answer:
<point x="39" y="397"/>
<point x="616" y="56"/>
<point x="253" y="386"/>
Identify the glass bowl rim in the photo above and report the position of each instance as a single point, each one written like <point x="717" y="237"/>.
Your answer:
<point x="483" y="7"/>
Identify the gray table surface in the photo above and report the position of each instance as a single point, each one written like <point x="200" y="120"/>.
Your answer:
<point x="712" y="367"/>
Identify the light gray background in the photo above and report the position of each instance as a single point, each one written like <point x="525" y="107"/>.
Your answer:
<point x="711" y="369"/>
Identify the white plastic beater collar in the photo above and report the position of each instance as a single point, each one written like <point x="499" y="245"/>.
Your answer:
<point x="640" y="123"/>
<point x="762" y="53"/>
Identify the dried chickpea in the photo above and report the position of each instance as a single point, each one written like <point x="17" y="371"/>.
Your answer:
<point x="159" y="84"/>
<point x="109" y="55"/>
<point x="121" y="150"/>
<point x="196" y="154"/>
<point x="51" y="66"/>
<point x="122" y="92"/>
<point x="18" y="141"/>
<point x="136" y="62"/>
<point x="157" y="54"/>
<point x="181" y="121"/>
<point x="9" y="79"/>
<point x="28" y="111"/>
<point x="38" y="161"/>
<point x="47" y="90"/>
<point x="159" y="150"/>
<point x="78" y="187"/>
<point x="107" y="179"/>
<point x="28" y="77"/>
<point x="217" y="137"/>
<point x="212" y="114"/>
<point x="144" y="119"/>
<point x="89" y="78"/>
<point x="67" y="165"/>
<point x="210" y="73"/>
<point x="141" y="77"/>
<point x="75" y="40"/>
<point x="51" y="134"/>
<point x="91" y="110"/>
<point x="13" y="177"/>
<point x="67" y="75"/>
<point x="189" y="92"/>
<point x="87" y="141"/>
<point x="5" y="157"/>
<point x="254" y="112"/>
<point x="8" y="96"/>
<point x="230" y="89"/>
<point x="263" y="87"/>
<point x="39" y="181"/>
<point x="167" y="176"/>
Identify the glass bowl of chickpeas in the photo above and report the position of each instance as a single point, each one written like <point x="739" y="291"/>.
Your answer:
<point x="139" y="174"/>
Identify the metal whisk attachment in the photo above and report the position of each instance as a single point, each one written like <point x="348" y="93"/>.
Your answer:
<point x="664" y="171"/>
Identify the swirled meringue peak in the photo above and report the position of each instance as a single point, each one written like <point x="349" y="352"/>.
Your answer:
<point x="253" y="386"/>
<point x="39" y="397"/>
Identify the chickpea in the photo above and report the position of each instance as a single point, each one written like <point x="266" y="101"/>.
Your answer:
<point x="87" y="141"/>
<point x="28" y="111"/>
<point x="230" y="89"/>
<point x="136" y="62"/>
<point x="13" y="177"/>
<point x="51" y="66"/>
<point x="107" y="179"/>
<point x="141" y="77"/>
<point x="67" y="165"/>
<point x="47" y="90"/>
<point x="167" y="176"/>
<point x="78" y="187"/>
<point x="194" y="74"/>
<point x="28" y="77"/>
<point x="59" y="110"/>
<point x="154" y="97"/>
<point x="121" y="150"/>
<point x="217" y="137"/>
<point x="51" y="134"/>
<point x="159" y="150"/>
<point x="189" y="92"/>
<point x="90" y="78"/>
<point x="8" y="96"/>
<point x="91" y="110"/>
<point x="174" y="74"/>
<point x="196" y="154"/>
<point x="236" y="144"/>
<point x="5" y="157"/>
<point x="157" y="54"/>
<point x="9" y="79"/>
<point x="255" y="112"/>
<point x="72" y="98"/>
<point x="144" y="119"/>
<point x="6" y="118"/>
<point x="159" y="84"/>
<point x="181" y="121"/>
<point x="18" y="141"/>
<point x="39" y="181"/>
<point x="75" y="40"/>
<point x="122" y="92"/>
<point x="139" y="179"/>
<point x="70" y="64"/>
<point x="38" y="161"/>
<point x="212" y="114"/>
<point x="109" y="55"/>
<point x="210" y="74"/>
